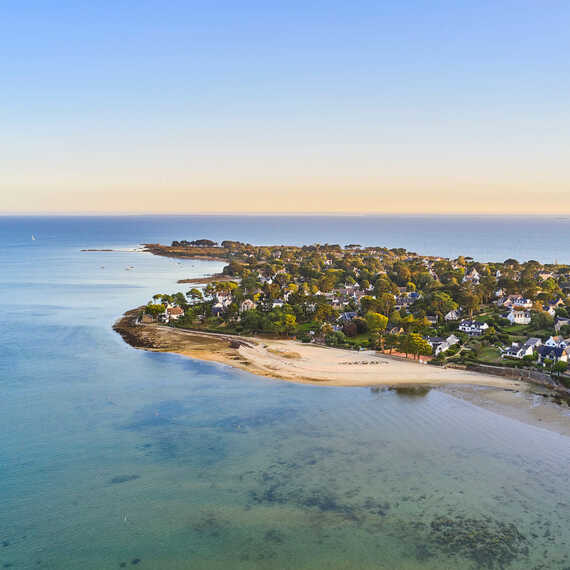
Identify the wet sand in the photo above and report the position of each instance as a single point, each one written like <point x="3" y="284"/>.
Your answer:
<point x="530" y="405"/>
<point x="310" y="364"/>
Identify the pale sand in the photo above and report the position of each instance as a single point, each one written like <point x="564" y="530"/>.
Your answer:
<point x="306" y="363"/>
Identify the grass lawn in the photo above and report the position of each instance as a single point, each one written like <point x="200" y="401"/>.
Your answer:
<point x="360" y="339"/>
<point x="490" y="354"/>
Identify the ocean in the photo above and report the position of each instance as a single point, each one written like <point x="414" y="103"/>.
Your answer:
<point x="112" y="457"/>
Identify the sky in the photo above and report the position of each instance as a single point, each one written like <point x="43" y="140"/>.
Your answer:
<point x="285" y="106"/>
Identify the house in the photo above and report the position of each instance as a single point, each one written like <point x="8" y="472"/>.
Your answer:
<point x="551" y="310"/>
<point x="554" y="353"/>
<point x="454" y="315"/>
<point x="338" y="305"/>
<point x="532" y="344"/>
<point x="435" y="342"/>
<point x="515" y="301"/>
<point x="518" y="316"/>
<point x="218" y="309"/>
<point x="224" y="299"/>
<point x="432" y="320"/>
<point x="520" y="350"/>
<point x="171" y="313"/>
<point x="174" y="313"/>
<point x="347" y="317"/>
<point x="246" y="305"/>
<point x="472" y="277"/>
<point x="561" y="322"/>
<point x="395" y="330"/>
<point x="556" y="341"/>
<point x="440" y="345"/>
<point x="406" y="300"/>
<point x="473" y="328"/>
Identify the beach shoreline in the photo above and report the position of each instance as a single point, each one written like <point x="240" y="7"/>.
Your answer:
<point x="294" y="361"/>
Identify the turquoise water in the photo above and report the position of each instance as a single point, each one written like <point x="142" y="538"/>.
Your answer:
<point x="114" y="456"/>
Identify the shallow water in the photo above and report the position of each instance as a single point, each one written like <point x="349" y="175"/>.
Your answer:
<point x="111" y="455"/>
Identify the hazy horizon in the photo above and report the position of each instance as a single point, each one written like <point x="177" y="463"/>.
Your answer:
<point x="291" y="214"/>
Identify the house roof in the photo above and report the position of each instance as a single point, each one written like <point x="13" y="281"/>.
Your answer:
<point x="546" y="351"/>
<point x="532" y="341"/>
<point x="348" y="316"/>
<point x="175" y="311"/>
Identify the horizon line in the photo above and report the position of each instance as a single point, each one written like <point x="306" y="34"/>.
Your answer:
<point x="564" y="215"/>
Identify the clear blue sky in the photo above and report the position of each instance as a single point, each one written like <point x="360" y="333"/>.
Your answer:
<point x="284" y="106"/>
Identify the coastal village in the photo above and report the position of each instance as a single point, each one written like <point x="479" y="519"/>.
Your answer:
<point x="432" y="309"/>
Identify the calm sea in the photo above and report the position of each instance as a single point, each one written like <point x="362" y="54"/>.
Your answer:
<point x="112" y="457"/>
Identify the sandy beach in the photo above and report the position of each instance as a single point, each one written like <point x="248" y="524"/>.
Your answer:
<point x="297" y="362"/>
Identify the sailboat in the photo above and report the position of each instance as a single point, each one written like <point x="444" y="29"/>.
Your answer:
<point x="33" y="237"/>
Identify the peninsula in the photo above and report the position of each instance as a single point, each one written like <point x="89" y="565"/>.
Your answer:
<point x="352" y="315"/>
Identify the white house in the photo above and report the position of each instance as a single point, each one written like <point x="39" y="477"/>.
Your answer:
<point x="472" y="277"/>
<point x="520" y="350"/>
<point x="246" y="305"/>
<point x="556" y="342"/>
<point x="454" y="315"/>
<point x="473" y="328"/>
<point x="519" y="317"/>
<point x="515" y="301"/>
<point x="440" y="345"/>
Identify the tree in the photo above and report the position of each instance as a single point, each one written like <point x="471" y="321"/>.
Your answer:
<point x="414" y="343"/>
<point x="384" y="285"/>
<point x="395" y="317"/>
<point x="369" y="303"/>
<point x="560" y="367"/>
<point x="386" y="303"/>
<point x="541" y="320"/>
<point x="377" y="324"/>
<point x="423" y="280"/>
<point x="350" y="329"/>
<point x="471" y="302"/>
<point x="335" y="338"/>
<point x="440" y="303"/>
<point x="391" y="341"/>
<point x="418" y="345"/>
<point x="154" y="309"/>
<point x="195" y="294"/>
<point x="180" y="299"/>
